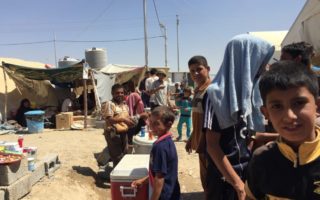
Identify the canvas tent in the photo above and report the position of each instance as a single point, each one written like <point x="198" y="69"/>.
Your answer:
<point x="41" y="92"/>
<point x="119" y="74"/>
<point x="275" y="38"/>
<point x="306" y="27"/>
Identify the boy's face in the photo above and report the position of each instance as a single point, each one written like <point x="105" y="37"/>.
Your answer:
<point x="199" y="73"/>
<point x="186" y="94"/>
<point x="157" y="126"/>
<point x="292" y="113"/>
<point x="161" y="76"/>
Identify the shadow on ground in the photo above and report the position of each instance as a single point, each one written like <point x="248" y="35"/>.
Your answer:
<point x="193" y="196"/>
<point x="87" y="171"/>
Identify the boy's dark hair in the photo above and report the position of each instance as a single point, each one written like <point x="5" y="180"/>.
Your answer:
<point x="303" y="49"/>
<point x="200" y="60"/>
<point x="115" y="87"/>
<point x="165" y="114"/>
<point x="153" y="71"/>
<point x="287" y="74"/>
<point x="187" y="89"/>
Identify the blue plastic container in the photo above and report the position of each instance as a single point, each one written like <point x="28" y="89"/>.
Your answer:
<point x="35" y="121"/>
<point x="143" y="131"/>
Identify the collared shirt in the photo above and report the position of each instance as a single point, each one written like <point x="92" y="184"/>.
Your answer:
<point x="112" y="109"/>
<point x="278" y="172"/>
<point x="164" y="160"/>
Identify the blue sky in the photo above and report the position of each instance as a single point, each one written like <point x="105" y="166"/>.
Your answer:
<point x="205" y="27"/>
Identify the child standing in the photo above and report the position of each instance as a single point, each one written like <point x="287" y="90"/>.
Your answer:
<point x="185" y="106"/>
<point x="199" y="71"/>
<point x="231" y="108"/>
<point x="288" y="168"/>
<point x="163" y="169"/>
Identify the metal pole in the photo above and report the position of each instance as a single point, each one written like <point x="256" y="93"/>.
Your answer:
<point x="55" y="49"/>
<point x="145" y="32"/>
<point x="178" y="43"/>
<point x="165" y="45"/>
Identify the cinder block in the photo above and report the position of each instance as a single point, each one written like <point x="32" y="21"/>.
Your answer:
<point x="38" y="173"/>
<point x="18" y="189"/>
<point x="51" y="164"/>
<point x="2" y="194"/>
<point x="9" y="173"/>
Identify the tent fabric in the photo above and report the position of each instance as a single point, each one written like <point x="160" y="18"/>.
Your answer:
<point x="306" y="26"/>
<point x="18" y="88"/>
<point x="56" y="75"/>
<point x="116" y="68"/>
<point x="104" y="83"/>
<point x="274" y="37"/>
<point x="124" y="73"/>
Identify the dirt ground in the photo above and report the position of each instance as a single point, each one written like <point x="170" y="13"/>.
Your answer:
<point x="77" y="176"/>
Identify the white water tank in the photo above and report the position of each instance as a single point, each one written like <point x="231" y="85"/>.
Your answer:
<point x="67" y="62"/>
<point x="96" y="57"/>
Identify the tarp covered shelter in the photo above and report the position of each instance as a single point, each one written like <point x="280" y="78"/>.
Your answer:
<point x="306" y="27"/>
<point x="23" y="74"/>
<point x="17" y="88"/>
<point x="121" y="74"/>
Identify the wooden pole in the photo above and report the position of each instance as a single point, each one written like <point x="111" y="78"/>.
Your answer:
<point x="5" y="95"/>
<point x="96" y="97"/>
<point x="85" y="100"/>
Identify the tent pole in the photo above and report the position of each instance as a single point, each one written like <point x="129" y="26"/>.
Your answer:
<point x="96" y="97"/>
<point x="85" y="104"/>
<point x="5" y="95"/>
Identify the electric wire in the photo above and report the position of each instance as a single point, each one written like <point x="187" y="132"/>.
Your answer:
<point x="77" y="41"/>
<point x="156" y="10"/>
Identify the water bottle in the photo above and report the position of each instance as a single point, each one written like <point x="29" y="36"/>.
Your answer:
<point x="143" y="131"/>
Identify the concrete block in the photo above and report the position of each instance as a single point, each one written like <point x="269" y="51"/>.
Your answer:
<point x="18" y="189"/>
<point x="2" y="194"/>
<point x="38" y="173"/>
<point x="51" y="164"/>
<point x="9" y="173"/>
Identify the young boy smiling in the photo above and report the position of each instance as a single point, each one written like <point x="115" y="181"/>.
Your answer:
<point x="163" y="169"/>
<point x="290" y="167"/>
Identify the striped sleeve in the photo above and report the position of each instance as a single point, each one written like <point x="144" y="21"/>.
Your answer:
<point x="208" y="113"/>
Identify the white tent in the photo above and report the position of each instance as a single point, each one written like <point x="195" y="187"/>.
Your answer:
<point x="274" y="37"/>
<point x="306" y="26"/>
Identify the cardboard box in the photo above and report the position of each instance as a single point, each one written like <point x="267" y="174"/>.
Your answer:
<point x="130" y="168"/>
<point x="64" y="120"/>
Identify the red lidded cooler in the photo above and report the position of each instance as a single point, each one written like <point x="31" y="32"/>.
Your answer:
<point x="130" y="168"/>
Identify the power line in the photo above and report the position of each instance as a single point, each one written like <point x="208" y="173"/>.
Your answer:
<point x="77" y="41"/>
<point x="26" y="43"/>
<point x="155" y="8"/>
<point x="107" y="41"/>
<point x="97" y="17"/>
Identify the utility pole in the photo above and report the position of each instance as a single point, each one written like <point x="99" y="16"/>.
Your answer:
<point x="178" y="43"/>
<point x="165" y="45"/>
<point x="55" y="49"/>
<point x="145" y="32"/>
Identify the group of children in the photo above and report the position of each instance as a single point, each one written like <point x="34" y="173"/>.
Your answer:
<point x="228" y="112"/>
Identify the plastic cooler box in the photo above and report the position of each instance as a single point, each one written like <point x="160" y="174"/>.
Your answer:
<point x="130" y="168"/>
<point x="142" y="145"/>
<point x="35" y="121"/>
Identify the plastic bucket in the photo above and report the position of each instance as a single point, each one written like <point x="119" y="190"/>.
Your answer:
<point x="35" y="121"/>
<point x="142" y="145"/>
